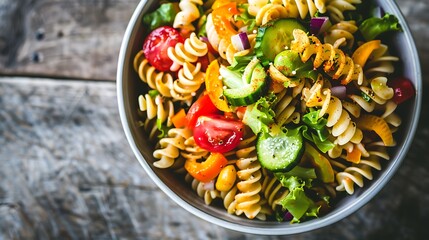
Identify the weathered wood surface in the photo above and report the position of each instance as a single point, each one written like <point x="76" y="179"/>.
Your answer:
<point x="67" y="171"/>
<point x="65" y="38"/>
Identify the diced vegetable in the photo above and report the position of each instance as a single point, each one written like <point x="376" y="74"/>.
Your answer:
<point x="339" y="91"/>
<point x="319" y="25"/>
<point x="289" y="63"/>
<point x="203" y="106"/>
<point x="179" y="119"/>
<point x="354" y="156"/>
<point x="240" y="41"/>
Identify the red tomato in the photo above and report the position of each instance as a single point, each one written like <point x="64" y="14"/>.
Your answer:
<point x="403" y="89"/>
<point x="216" y="133"/>
<point x="203" y="106"/>
<point x="156" y="44"/>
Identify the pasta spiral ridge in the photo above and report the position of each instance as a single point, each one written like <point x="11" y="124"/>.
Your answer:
<point x="343" y="29"/>
<point x="286" y="9"/>
<point x="188" y="13"/>
<point x="157" y="108"/>
<point x="248" y="200"/>
<point x="160" y="81"/>
<point x="202" y="191"/>
<point x="273" y="190"/>
<point x="380" y="62"/>
<point x="189" y="51"/>
<point x="348" y="177"/>
<point x="336" y="8"/>
<point x="170" y="147"/>
<point x="339" y="121"/>
<point x="335" y="62"/>
<point x="285" y="109"/>
<point x="188" y="82"/>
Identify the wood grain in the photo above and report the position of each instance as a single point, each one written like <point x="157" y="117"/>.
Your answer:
<point x="67" y="172"/>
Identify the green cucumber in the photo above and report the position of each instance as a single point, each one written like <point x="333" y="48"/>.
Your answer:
<point x="274" y="37"/>
<point x="281" y="152"/>
<point x="253" y="85"/>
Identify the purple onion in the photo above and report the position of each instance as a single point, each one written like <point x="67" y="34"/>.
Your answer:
<point x="240" y="41"/>
<point x="288" y="216"/>
<point x="319" y="25"/>
<point x="339" y="91"/>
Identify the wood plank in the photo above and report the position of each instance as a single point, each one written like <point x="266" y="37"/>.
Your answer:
<point x="82" y="38"/>
<point x="69" y="38"/>
<point x="67" y="172"/>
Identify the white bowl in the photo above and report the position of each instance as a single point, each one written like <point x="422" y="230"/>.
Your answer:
<point x="402" y="45"/>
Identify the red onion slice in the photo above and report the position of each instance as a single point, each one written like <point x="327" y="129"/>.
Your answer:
<point x="240" y="41"/>
<point x="339" y="91"/>
<point x="319" y="25"/>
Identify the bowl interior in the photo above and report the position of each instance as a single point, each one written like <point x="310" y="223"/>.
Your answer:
<point x="130" y="86"/>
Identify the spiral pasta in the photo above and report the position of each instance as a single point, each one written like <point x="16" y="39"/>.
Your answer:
<point x="343" y="29"/>
<point x="160" y="81"/>
<point x="348" y="177"/>
<point x="343" y="128"/>
<point x="380" y="62"/>
<point x="273" y="190"/>
<point x="158" y="111"/>
<point x="189" y="80"/>
<point x="285" y="109"/>
<point x="189" y="13"/>
<point x="189" y="51"/>
<point x="336" y="8"/>
<point x="286" y="9"/>
<point x="334" y="61"/>
<point x="170" y="146"/>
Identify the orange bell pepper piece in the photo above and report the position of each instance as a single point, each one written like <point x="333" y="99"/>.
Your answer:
<point x="221" y="20"/>
<point x="179" y="119"/>
<point x="208" y="169"/>
<point x="214" y="87"/>
<point x="354" y="156"/>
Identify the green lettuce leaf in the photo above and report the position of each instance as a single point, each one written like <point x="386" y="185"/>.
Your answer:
<point x="297" y="202"/>
<point x="374" y="26"/>
<point x="260" y="116"/>
<point x="319" y="133"/>
<point x="162" y="16"/>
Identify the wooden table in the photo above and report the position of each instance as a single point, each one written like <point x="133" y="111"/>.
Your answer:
<point x="67" y="171"/>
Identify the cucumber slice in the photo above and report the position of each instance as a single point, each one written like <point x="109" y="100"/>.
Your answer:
<point x="280" y="152"/>
<point x="274" y="37"/>
<point x="253" y="87"/>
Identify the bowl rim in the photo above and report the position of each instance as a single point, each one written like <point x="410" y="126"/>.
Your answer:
<point x="338" y="215"/>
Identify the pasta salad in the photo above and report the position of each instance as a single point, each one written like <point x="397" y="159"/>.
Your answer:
<point x="272" y="110"/>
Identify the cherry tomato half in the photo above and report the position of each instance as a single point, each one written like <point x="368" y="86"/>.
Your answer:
<point x="156" y="44"/>
<point x="203" y="106"/>
<point x="216" y="133"/>
<point x="403" y="89"/>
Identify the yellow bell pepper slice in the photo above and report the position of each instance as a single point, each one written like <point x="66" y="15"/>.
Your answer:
<point x="362" y="53"/>
<point x="378" y="125"/>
